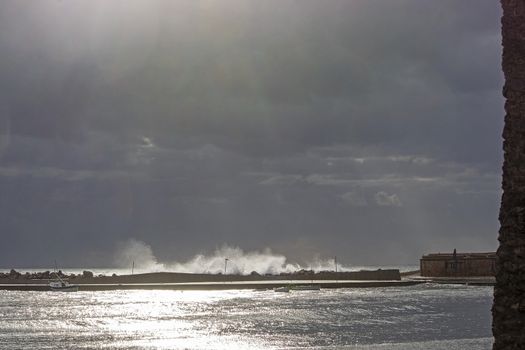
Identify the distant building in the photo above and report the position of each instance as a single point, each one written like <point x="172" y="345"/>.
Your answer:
<point x="458" y="264"/>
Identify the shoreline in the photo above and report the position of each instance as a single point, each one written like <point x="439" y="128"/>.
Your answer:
<point x="259" y="285"/>
<point x="189" y="281"/>
<point x="470" y="281"/>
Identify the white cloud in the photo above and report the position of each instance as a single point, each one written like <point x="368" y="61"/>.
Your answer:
<point x="328" y="180"/>
<point x="63" y="174"/>
<point x="421" y="160"/>
<point x="147" y="143"/>
<point x="282" y="180"/>
<point x="387" y="200"/>
<point x="143" y="153"/>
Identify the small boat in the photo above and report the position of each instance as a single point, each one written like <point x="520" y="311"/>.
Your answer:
<point x="284" y="289"/>
<point x="62" y="286"/>
<point x="59" y="285"/>
<point x="307" y="287"/>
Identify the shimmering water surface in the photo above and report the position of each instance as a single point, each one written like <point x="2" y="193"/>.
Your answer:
<point x="418" y="317"/>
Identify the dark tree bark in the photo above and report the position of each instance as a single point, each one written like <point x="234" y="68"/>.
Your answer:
<point x="508" y="311"/>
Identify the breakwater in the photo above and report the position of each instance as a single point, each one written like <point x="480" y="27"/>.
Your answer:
<point x="324" y="284"/>
<point x="175" y="277"/>
<point x="188" y="281"/>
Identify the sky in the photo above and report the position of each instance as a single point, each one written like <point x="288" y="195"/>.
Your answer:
<point x="363" y="129"/>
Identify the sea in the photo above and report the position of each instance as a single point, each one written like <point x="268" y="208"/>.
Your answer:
<point x="425" y="316"/>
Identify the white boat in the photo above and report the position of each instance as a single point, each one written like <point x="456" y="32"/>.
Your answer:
<point x="282" y="289"/>
<point x="59" y="285"/>
<point x="62" y="286"/>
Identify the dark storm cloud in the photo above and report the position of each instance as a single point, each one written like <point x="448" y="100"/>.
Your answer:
<point x="309" y="127"/>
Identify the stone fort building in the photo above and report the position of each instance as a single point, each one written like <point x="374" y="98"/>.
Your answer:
<point x="458" y="264"/>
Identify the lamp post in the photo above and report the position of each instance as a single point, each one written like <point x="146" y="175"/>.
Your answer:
<point x="336" y="276"/>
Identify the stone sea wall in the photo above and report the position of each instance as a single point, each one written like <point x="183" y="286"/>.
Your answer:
<point x="173" y="277"/>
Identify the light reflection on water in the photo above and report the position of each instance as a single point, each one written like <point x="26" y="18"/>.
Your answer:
<point x="418" y="317"/>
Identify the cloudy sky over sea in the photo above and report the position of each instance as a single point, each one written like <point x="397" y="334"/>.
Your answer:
<point x="364" y="129"/>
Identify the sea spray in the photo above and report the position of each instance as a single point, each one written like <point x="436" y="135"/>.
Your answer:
<point x="139" y="254"/>
<point x="239" y="261"/>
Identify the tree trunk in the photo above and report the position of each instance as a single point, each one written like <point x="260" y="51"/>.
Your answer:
<point x="508" y="310"/>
